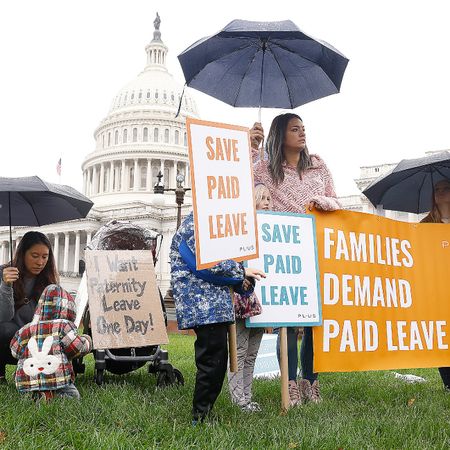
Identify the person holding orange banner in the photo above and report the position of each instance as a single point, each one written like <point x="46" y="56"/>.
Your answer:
<point x="297" y="180"/>
<point x="440" y="213"/>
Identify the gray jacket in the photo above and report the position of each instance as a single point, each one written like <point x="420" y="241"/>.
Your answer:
<point x="23" y="315"/>
<point x="6" y="300"/>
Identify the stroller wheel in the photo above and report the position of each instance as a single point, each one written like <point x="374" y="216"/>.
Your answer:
<point x="168" y="378"/>
<point x="98" y="376"/>
<point x="179" y="379"/>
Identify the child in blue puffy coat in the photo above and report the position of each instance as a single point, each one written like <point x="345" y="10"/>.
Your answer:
<point x="203" y="303"/>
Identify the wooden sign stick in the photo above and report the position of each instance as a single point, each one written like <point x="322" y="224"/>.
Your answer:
<point x="232" y="347"/>
<point x="284" y="375"/>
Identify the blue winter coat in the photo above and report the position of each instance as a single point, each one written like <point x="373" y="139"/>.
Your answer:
<point x="201" y="297"/>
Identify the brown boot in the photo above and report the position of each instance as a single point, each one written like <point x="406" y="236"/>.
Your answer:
<point x="309" y="392"/>
<point x="304" y="387"/>
<point x="315" y="392"/>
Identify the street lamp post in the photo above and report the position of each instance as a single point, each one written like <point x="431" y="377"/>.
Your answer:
<point x="180" y="192"/>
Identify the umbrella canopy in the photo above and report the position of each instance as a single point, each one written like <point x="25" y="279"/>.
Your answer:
<point x="409" y="186"/>
<point x="30" y="201"/>
<point x="263" y="64"/>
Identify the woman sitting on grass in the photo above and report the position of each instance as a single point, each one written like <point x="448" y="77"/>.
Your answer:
<point x="22" y="283"/>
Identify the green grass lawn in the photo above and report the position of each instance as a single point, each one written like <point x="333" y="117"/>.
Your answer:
<point x="360" y="410"/>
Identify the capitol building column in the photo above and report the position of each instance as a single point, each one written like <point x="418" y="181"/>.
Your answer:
<point x="161" y="169"/>
<point x="187" y="175"/>
<point x="136" y="176"/>
<point x="84" y="183"/>
<point x="102" y="178"/>
<point x="56" y="250"/>
<point x="94" y="181"/>
<point x="77" y="252"/>
<point x="149" y="175"/>
<point x="88" y="181"/>
<point x="173" y="178"/>
<point x="111" y="176"/>
<point x="66" y="252"/>
<point x="122" y="181"/>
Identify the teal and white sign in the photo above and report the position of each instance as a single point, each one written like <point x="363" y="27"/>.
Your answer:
<point x="290" y="295"/>
<point x="266" y="363"/>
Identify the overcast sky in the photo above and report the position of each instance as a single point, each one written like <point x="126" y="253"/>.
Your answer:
<point x="62" y="62"/>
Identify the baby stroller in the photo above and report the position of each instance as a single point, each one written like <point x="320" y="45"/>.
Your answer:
<point x="117" y="235"/>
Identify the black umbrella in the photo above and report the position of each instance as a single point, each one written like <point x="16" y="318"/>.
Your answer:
<point x="263" y="64"/>
<point x="409" y="186"/>
<point x="30" y="201"/>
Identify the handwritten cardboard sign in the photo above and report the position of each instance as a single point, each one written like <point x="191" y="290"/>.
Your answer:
<point x="222" y="185"/>
<point x="385" y="293"/>
<point x="290" y="294"/>
<point x="124" y="302"/>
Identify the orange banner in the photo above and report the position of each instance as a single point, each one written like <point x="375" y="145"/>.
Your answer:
<point x="385" y="293"/>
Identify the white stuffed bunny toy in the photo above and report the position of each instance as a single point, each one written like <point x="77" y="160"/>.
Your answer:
<point x="40" y="361"/>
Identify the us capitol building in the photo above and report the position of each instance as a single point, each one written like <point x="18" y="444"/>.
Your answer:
<point x="138" y="139"/>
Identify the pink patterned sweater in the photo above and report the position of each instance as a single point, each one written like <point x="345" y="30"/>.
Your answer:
<point x="294" y="194"/>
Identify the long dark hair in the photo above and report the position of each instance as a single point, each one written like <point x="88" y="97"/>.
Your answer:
<point x="274" y="148"/>
<point x="435" y="215"/>
<point x="49" y="274"/>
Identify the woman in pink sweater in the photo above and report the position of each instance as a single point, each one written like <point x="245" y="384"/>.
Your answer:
<point x="297" y="180"/>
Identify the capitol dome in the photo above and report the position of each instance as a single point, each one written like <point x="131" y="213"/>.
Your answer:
<point x="141" y="136"/>
<point x="154" y="88"/>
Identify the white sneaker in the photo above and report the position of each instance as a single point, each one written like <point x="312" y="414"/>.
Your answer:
<point x="251" y="407"/>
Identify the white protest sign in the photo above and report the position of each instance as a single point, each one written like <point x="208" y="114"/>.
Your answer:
<point x="266" y="363"/>
<point x="290" y="295"/>
<point x="124" y="302"/>
<point x="81" y="300"/>
<point x="222" y="185"/>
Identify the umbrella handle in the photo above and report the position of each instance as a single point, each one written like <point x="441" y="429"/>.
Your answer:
<point x="261" y="149"/>
<point x="10" y="231"/>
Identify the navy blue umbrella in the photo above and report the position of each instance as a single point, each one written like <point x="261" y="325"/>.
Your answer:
<point x="30" y="201"/>
<point x="263" y="64"/>
<point x="409" y="186"/>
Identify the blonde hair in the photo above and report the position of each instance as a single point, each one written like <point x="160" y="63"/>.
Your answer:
<point x="260" y="189"/>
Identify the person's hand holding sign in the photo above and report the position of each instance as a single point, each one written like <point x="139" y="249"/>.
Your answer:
<point x="313" y="205"/>
<point x="257" y="274"/>
<point x="250" y="276"/>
